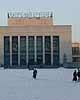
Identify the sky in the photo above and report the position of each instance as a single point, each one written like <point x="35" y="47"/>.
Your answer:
<point x="65" y="11"/>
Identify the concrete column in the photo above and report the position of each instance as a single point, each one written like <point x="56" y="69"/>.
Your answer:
<point x="43" y="50"/>
<point x="27" y="49"/>
<point x="35" y="48"/>
<point x="2" y="49"/>
<point x="51" y="50"/>
<point x="10" y="50"/>
<point x="19" y="50"/>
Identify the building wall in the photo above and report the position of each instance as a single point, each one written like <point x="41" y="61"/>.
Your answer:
<point x="30" y="21"/>
<point x="63" y="31"/>
<point x="76" y="52"/>
<point x="1" y="49"/>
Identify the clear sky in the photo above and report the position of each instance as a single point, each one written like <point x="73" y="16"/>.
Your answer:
<point x="65" y="11"/>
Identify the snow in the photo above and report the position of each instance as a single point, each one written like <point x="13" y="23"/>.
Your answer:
<point x="51" y="84"/>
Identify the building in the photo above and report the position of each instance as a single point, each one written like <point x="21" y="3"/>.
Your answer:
<point x="76" y="54"/>
<point x="32" y="38"/>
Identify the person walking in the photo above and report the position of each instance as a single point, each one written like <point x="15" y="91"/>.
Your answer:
<point x="75" y="76"/>
<point x="78" y="74"/>
<point x="34" y="73"/>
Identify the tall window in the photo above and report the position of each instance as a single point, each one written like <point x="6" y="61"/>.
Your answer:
<point x="75" y="50"/>
<point x="22" y="50"/>
<point x="56" y="50"/>
<point x="6" y="50"/>
<point x="15" y="50"/>
<point x="76" y="59"/>
<point x="47" y="50"/>
<point x="39" y="49"/>
<point x="31" y="50"/>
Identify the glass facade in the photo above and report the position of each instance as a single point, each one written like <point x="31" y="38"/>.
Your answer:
<point x="47" y="50"/>
<point x="22" y="50"/>
<point x="6" y="50"/>
<point x="39" y="49"/>
<point x="55" y="50"/>
<point x="76" y="59"/>
<point x="14" y="50"/>
<point x="31" y="50"/>
<point x="75" y="51"/>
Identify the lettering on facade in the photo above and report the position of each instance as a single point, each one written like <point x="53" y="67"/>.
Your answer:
<point x="29" y="14"/>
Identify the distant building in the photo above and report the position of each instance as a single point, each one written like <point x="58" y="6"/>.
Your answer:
<point x="32" y="38"/>
<point x="76" y="54"/>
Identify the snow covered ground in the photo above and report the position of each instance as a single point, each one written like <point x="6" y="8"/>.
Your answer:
<point x="51" y="84"/>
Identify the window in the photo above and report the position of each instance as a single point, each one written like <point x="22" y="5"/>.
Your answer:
<point x="15" y="50"/>
<point x="39" y="49"/>
<point x="31" y="49"/>
<point x="56" y="50"/>
<point x="22" y="50"/>
<point x="6" y="50"/>
<point x="47" y="50"/>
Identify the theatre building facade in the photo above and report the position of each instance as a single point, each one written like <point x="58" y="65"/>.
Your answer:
<point x="34" y="39"/>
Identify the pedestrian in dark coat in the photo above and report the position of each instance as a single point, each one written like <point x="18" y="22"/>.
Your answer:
<point x="34" y="73"/>
<point x="75" y="76"/>
<point x="78" y="74"/>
